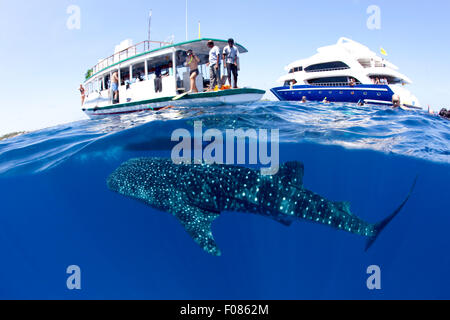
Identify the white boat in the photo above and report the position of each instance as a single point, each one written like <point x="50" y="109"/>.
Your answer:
<point x="136" y="66"/>
<point x="345" y="72"/>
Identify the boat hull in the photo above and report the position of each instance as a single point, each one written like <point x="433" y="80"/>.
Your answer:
<point x="379" y="93"/>
<point x="215" y="98"/>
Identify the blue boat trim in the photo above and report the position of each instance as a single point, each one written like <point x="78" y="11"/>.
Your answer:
<point x="382" y="93"/>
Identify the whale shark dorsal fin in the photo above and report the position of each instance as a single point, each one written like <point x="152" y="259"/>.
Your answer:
<point x="198" y="223"/>
<point x="344" y="206"/>
<point x="292" y="173"/>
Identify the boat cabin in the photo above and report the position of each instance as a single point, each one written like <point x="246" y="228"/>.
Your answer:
<point x="148" y="73"/>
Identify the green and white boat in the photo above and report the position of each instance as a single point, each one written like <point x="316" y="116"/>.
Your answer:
<point x="141" y="90"/>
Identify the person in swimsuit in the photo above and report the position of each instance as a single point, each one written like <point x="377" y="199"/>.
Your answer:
<point x="115" y="87"/>
<point x="83" y="94"/>
<point x="192" y="62"/>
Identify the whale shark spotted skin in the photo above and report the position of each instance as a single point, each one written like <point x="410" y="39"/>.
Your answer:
<point x="197" y="194"/>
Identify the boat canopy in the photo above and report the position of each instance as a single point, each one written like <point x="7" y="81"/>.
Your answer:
<point x="199" y="46"/>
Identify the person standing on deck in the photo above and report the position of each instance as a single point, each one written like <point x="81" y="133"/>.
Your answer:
<point x="115" y="87"/>
<point x="230" y="58"/>
<point x="83" y="94"/>
<point x="214" y="65"/>
<point x="192" y="62"/>
<point x="158" y="79"/>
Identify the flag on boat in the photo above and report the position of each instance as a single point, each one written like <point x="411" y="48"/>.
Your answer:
<point x="383" y="52"/>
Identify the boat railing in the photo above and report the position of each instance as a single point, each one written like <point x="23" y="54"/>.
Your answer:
<point x="327" y="69"/>
<point x="377" y="65"/>
<point x="127" y="53"/>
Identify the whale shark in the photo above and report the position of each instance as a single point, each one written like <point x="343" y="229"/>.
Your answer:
<point x="198" y="194"/>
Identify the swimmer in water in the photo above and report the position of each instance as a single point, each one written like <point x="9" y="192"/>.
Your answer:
<point x="396" y="101"/>
<point x="444" y="113"/>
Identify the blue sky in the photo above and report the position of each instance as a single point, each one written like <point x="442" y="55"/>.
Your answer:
<point x="43" y="62"/>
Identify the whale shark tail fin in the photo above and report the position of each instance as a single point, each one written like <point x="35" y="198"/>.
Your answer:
<point x="379" y="227"/>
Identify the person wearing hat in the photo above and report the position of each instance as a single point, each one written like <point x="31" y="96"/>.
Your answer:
<point x="192" y="62"/>
<point x="230" y="58"/>
<point x="214" y="65"/>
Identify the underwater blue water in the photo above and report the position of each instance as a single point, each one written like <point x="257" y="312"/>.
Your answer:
<point x="56" y="210"/>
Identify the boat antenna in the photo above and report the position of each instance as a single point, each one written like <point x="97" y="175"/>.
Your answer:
<point x="149" y="27"/>
<point x="187" y="20"/>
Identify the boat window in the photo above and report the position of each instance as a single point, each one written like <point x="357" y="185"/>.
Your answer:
<point x="138" y="72"/>
<point x="287" y="83"/>
<point x="371" y="63"/>
<point x="378" y="79"/>
<point x="107" y="84"/>
<point x="297" y="69"/>
<point x="328" y="66"/>
<point x="124" y="76"/>
<point x="331" y="81"/>
<point x="102" y="83"/>
<point x="163" y="68"/>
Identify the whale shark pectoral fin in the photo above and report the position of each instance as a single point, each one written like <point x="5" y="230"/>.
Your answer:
<point x="198" y="223"/>
<point x="292" y="173"/>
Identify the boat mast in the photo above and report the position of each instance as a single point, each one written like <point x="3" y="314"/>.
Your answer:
<point x="149" y="28"/>
<point x="187" y="20"/>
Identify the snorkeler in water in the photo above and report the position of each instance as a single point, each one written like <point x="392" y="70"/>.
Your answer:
<point x="444" y="113"/>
